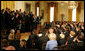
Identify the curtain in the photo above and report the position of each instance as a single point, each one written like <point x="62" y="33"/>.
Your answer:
<point x="37" y="5"/>
<point x="77" y="16"/>
<point x="1" y="4"/>
<point x="70" y="15"/>
<point x="48" y="12"/>
<point x="9" y="4"/>
<point x="36" y="9"/>
<point x="38" y="26"/>
<point x="78" y="13"/>
<point x="55" y="5"/>
<point x="55" y="11"/>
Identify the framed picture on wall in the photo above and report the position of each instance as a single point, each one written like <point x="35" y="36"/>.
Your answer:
<point x="28" y="7"/>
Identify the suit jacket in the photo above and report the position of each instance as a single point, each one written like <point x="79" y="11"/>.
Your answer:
<point x="51" y="44"/>
<point x="2" y="21"/>
<point x="70" y="40"/>
<point x="62" y="42"/>
<point x="7" y="19"/>
<point x="39" y="19"/>
<point x="16" y="22"/>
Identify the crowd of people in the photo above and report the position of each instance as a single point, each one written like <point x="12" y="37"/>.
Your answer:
<point x="52" y="36"/>
<point x="19" y="20"/>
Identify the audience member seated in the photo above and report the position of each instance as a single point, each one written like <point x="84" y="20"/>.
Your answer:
<point x="6" y="46"/>
<point x="33" y="41"/>
<point x="54" y="34"/>
<point x="11" y="35"/>
<point x="70" y="38"/>
<point x="52" y="41"/>
<point x="18" y="35"/>
<point x="62" y="40"/>
<point x="3" y="34"/>
<point x="82" y="29"/>
<point x="23" y="45"/>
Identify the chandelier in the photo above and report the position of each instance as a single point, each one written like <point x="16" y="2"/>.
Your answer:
<point x="71" y="4"/>
<point x="62" y="2"/>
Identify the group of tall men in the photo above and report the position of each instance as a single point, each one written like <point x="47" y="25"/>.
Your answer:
<point x="19" y="20"/>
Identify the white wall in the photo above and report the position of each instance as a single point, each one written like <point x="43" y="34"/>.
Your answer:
<point x="82" y="15"/>
<point x="63" y="9"/>
<point x="19" y="5"/>
<point x="82" y="12"/>
<point x="43" y="7"/>
<point x="32" y="3"/>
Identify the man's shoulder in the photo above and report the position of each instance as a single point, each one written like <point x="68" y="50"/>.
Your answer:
<point x="50" y="41"/>
<point x="10" y="47"/>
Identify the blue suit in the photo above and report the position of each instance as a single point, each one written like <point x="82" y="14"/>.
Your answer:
<point x="51" y="44"/>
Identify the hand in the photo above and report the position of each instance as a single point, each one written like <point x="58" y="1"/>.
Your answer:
<point x="46" y="34"/>
<point x="12" y="18"/>
<point x="75" y="39"/>
<point x="66" y="43"/>
<point x="78" y="40"/>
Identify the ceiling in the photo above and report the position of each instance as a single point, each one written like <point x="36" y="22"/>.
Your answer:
<point x="76" y="3"/>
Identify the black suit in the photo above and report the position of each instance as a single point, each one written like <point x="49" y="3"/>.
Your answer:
<point x="38" y="20"/>
<point x="2" y="21"/>
<point x="34" y="25"/>
<point x="7" y="17"/>
<point x="16" y="22"/>
<point x="77" y="46"/>
<point x="70" y="40"/>
<point x="62" y="42"/>
<point x="27" y="23"/>
<point x="33" y="39"/>
<point x="67" y="33"/>
<point x="12" y="22"/>
<point x="7" y="21"/>
<point x="23" y="24"/>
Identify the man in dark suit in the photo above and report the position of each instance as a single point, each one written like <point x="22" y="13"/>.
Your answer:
<point x="70" y="38"/>
<point x="3" y="19"/>
<point x="62" y="40"/>
<point x="16" y="21"/>
<point x="12" y="20"/>
<point x="23" y="22"/>
<point x="33" y="40"/>
<point x="7" y="19"/>
<point x="34" y="22"/>
<point x="31" y="21"/>
<point x="27" y="17"/>
<point x="39" y="19"/>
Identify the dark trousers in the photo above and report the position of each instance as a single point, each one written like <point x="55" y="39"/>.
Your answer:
<point x="34" y="26"/>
